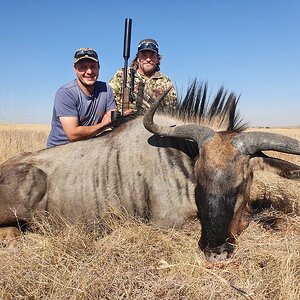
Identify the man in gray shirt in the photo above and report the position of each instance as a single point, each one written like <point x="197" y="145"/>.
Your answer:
<point x="82" y="107"/>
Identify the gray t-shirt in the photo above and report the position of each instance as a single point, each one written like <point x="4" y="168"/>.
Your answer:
<point x="71" y="101"/>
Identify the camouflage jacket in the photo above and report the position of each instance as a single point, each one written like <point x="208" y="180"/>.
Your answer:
<point x="145" y="88"/>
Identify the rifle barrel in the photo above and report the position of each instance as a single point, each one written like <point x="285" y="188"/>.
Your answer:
<point x="127" y="38"/>
<point x="126" y="55"/>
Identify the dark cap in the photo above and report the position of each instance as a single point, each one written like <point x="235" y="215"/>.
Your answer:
<point x="148" y="44"/>
<point x="88" y="53"/>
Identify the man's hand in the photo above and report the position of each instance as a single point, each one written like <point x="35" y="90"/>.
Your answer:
<point x="128" y="112"/>
<point x="106" y="120"/>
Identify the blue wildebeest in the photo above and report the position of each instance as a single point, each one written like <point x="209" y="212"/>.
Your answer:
<point x="202" y="166"/>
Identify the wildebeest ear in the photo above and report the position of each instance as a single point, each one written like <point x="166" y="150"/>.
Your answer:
<point x="275" y="165"/>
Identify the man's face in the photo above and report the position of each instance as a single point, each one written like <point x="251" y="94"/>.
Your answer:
<point x="87" y="72"/>
<point x="147" y="61"/>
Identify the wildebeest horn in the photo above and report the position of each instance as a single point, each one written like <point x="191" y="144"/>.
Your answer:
<point x="197" y="133"/>
<point x="252" y="142"/>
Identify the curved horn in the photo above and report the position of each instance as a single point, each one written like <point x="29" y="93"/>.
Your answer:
<point x="252" y="142"/>
<point x="194" y="132"/>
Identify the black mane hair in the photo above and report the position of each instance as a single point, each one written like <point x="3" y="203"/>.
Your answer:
<point x="220" y="113"/>
<point x="196" y="107"/>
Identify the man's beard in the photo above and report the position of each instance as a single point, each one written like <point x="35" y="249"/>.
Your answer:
<point x="149" y="70"/>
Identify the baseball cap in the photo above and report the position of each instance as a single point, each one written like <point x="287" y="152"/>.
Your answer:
<point x="148" y="44"/>
<point x="82" y="53"/>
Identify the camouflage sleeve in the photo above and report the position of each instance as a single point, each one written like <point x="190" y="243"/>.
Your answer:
<point x="171" y="97"/>
<point x="116" y="83"/>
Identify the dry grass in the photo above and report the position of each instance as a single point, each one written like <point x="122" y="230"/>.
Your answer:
<point x="16" y="138"/>
<point x="284" y="193"/>
<point x="138" y="261"/>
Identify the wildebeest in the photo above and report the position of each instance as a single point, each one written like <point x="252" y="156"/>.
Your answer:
<point x="199" y="161"/>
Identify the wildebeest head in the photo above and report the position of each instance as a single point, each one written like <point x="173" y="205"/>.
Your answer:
<point x="224" y="171"/>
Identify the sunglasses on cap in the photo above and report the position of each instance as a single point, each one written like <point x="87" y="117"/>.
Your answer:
<point x="81" y="53"/>
<point x="148" y="46"/>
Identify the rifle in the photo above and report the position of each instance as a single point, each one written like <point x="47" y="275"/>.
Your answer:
<point x="126" y="55"/>
<point x="131" y="88"/>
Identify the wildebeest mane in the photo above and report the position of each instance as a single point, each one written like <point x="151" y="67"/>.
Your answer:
<point x="220" y="114"/>
<point x="196" y="107"/>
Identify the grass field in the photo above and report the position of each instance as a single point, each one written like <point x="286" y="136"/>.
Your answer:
<point x="18" y="138"/>
<point x="133" y="260"/>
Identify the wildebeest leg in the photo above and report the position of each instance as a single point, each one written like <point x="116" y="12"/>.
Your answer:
<point x="277" y="166"/>
<point x="22" y="188"/>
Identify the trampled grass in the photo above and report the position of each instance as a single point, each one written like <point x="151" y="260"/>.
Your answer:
<point x="138" y="261"/>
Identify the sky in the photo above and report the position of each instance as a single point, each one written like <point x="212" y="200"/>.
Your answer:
<point x="249" y="47"/>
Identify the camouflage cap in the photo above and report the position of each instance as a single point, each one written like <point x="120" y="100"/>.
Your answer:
<point x="148" y="44"/>
<point x="88" y="53"/>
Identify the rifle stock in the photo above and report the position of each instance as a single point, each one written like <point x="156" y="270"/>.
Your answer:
<point x="125" y="100"/>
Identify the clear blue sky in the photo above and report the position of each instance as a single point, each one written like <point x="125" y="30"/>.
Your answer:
<point x="249" y="47"/>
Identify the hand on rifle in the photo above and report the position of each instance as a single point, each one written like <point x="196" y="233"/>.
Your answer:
<point x="128" y="112"/>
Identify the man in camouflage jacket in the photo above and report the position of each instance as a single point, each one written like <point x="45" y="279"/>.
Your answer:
<point x="148" y="81"/>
